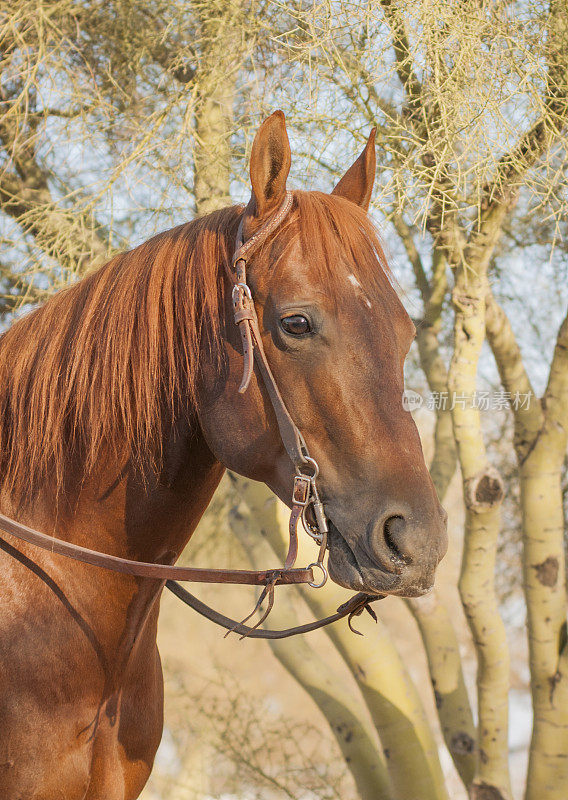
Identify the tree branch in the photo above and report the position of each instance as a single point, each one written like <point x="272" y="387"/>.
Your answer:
<point x="528" y="417"/>
<point x="433" y="293"/>
<point x="448" y="682"/>
<point x="441" y="219"/>
<point x="501" y="194"/>
<point x="407" y="239"/>
<point x="556" y="395"/>
<point x="74" y="239"/>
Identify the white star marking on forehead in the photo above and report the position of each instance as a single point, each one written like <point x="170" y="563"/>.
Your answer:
<point x="355" y="283"/>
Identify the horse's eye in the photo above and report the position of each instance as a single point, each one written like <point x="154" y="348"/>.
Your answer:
<point x="297" y="325"/>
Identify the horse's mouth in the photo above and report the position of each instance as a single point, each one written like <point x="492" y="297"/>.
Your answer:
<point x="354" y="569"/>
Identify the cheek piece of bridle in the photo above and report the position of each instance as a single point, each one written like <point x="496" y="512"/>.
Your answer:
<point x="305" y="505"/>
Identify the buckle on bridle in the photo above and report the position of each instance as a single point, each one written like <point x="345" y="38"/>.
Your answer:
<point x="304" y="494"/>
<point x="302" y="490"/>
<point x="238" y="290"/>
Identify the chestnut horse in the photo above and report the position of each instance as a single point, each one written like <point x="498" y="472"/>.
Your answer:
<point x="119" y="412"/>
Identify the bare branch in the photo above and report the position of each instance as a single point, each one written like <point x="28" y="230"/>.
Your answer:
<point x="413" y="255"/>
<point x="529" y="418"/>
<point x="502" y="193"/>
<point x="556" y="395"/>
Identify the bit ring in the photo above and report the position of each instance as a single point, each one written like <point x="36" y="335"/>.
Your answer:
<point x="324" y="573"/>
<point x="311" y="462"/>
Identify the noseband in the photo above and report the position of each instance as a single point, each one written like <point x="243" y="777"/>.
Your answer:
<point x="305" y="494"/>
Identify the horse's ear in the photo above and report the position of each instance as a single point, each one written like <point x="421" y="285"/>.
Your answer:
<point x="357" y="183"/>
<point x="270" y="161"/>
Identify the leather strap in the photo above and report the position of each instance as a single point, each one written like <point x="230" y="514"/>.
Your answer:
<point x="247" y="321"/>
<point x="171" y="574"/>
<point x="142" y="569"/>
<point x="352" y="608"/>
<point x="305" y="490"/>
<point x="244" y="249"/>
<point x="293" y="536"/>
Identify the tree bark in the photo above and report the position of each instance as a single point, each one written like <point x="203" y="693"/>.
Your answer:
<point x="389" y="694"/>
<point x="483" y="493"/>
<point x="222" y="29"/>
<point x="541" y="430"/>
<point x="345" y="713"/>
<point x="432" y="617"/>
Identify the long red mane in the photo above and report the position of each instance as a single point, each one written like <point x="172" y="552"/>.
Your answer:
<point x="105" y="362"/>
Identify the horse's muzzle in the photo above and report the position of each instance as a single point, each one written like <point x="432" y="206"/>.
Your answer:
<point x="383" y="562"/>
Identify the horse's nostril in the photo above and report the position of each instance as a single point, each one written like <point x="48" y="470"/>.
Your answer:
<point x="393" y="532"/>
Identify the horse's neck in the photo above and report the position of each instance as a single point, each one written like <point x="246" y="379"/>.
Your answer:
<point x="160" y="515"/>
<point x="149" y="517"/>
<point x="125" y="515"/>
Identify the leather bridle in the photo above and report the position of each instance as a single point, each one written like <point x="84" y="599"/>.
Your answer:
<point x="304" y="494"/>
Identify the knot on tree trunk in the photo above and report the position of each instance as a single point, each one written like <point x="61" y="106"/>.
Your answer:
<point x="462" y="744"/>
<point x="484" y="791"/>
<point x="485" y="490"/>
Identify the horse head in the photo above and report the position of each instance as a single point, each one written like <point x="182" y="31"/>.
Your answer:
<point x="336" y="337"/>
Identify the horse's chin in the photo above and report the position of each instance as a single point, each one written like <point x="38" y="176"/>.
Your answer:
<point x="353" y="569"/>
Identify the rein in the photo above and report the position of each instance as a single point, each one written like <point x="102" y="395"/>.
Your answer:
<point x="304" y="494"/>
